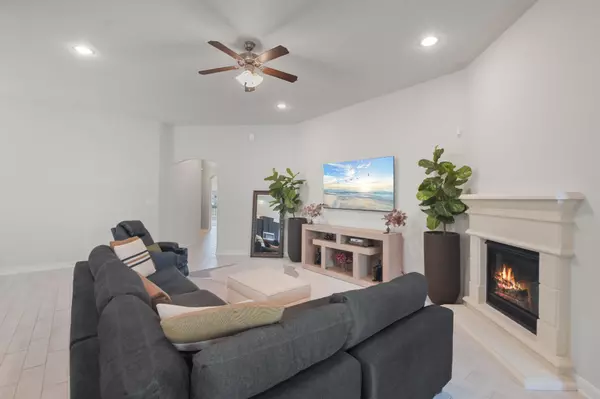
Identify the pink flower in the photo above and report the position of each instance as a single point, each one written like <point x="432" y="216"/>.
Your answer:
<point x="313" y="210"/>
<point x="395" y="218"/>
<point x="341" y="257"/>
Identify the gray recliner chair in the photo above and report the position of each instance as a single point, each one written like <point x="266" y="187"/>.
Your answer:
<point x="172" y="254"/>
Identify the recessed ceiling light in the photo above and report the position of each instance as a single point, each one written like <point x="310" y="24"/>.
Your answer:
<point x="281" y="105"/>
<point x="83" y="50"/>
<point x="429" y="41"/>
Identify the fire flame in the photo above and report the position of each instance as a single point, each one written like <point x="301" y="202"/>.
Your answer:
<point x="505" y="279"/>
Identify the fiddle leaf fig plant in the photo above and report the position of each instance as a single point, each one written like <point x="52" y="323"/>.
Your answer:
<point x="440" y="193"/>
<point x="285" y="190"/>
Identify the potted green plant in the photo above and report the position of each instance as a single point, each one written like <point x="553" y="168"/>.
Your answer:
<point x="440" y="200"/>
<point x="285" y="190"/>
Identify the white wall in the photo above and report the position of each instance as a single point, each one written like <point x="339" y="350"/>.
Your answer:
<point x="67" y="177"/>
<point x="243" y="164"/>
<point x="186" y="202"/>
<point x="534" y="128"/>
<point x="406" y="124"/>
<point x="166" y="162"/>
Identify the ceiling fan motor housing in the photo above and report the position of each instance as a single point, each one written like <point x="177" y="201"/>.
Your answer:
<point x="249" y="45"/>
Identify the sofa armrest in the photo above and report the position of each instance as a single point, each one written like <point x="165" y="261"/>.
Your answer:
<point x="168" y="246"/>
<point x="84" y="316"/>
<point x="256" y="360"/>
<point x="412" y="358"/>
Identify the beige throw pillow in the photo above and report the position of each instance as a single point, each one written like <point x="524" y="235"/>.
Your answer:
<point x="215" y="322"/>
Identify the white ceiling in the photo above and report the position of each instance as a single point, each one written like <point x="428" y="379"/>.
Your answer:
<point x="344" y="51"/>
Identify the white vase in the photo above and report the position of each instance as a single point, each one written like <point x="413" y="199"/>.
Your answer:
<point x="318" y="220"/>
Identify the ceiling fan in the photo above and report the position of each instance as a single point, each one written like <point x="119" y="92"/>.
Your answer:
<point x="252" y="63"/>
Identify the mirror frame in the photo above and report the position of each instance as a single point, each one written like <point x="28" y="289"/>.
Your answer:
<point x="278" y="254"/>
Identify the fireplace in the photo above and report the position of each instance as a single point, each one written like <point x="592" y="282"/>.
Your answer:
<point x="513" y="283"/>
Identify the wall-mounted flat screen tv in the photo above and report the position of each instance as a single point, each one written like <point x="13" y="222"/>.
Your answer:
<point x="365" y="184"/>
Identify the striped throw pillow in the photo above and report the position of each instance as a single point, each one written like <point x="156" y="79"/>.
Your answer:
<point x="135" y="255"/>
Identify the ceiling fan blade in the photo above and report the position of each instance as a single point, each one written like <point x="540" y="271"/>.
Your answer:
<point x="215" y="70"/>
<point x="279" y="74"/>
<point x="225" y="49"/>
<point x="269" y="55"/>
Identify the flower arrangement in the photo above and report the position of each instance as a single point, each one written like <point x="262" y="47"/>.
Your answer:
<point x="312" y="211"/>
<point x="343" y="259"/>
<point x="395" y="218"/>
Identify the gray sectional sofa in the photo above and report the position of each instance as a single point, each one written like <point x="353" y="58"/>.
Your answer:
<point x="374" y="343"/>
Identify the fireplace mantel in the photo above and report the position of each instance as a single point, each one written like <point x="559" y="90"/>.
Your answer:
<point x="543" y="224"/>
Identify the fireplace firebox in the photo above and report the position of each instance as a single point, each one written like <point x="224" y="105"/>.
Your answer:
<point x="513" y="276"/>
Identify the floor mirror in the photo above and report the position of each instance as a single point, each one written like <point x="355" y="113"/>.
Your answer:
<point x="267" y="228"/>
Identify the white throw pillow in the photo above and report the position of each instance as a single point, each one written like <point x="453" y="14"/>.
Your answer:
<point x="135" y="255"/>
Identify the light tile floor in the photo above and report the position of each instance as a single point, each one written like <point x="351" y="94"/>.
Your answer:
<point x="35" y="315"/>
<point x="34" y="332"/>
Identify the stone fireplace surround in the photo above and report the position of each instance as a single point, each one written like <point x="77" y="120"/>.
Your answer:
<point x="544" y="224"/>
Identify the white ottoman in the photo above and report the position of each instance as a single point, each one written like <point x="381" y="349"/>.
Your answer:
<point x="267" y="285"/>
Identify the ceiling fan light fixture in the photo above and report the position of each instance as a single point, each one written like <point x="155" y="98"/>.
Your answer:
<point x="249" y="79"/>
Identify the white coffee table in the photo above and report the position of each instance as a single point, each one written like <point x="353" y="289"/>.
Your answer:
<point x="267" y="285"/>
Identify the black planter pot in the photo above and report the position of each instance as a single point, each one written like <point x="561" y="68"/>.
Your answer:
<point x="295" y="238"/>
<point x="442" y="266"/>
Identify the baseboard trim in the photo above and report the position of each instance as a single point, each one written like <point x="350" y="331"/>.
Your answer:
<point x="6" y="271"/>
<point x="587" y="389"/>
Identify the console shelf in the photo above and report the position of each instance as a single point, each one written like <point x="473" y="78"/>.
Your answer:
<point x="347" y="247"/>
<point x="386" y="247"/>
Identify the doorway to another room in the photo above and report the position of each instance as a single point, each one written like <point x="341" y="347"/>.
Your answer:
<point x="209" y="222"/>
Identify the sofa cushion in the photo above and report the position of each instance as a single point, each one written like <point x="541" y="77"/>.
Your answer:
<point x="256" y="360"/>
<point x="84" y="315"/>
<point x="199" y="298"/>
<point x="136" y="360"/>
<point x="376" y="307"/>
<point x="99" y="256"/>
<point x="115" y="279"/>
<point x="172" y="281"/>
<point x="322" y="381"/>
<point x="84" y="375"/>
